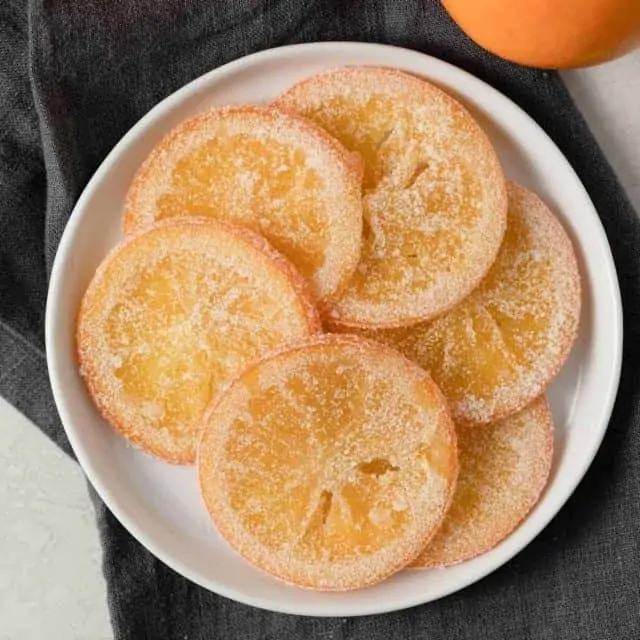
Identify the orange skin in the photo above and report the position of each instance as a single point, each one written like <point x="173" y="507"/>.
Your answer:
<point x="553" y="34"/>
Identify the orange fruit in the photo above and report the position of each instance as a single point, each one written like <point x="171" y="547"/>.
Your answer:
<point x="504" y="466"/>
<point x="171" y="315"/>
<point x="539" y="33"/>
<point x="499" y="348"/>
<point x="329" y="465"/>
<point x="277" y="174"/>
<point x="434" y="201"/>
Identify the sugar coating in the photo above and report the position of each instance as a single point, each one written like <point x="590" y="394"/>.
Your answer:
<point x="504" y="467"/>
<point x="499" y="349"/>
<point x="330" y="464"/>
<point x="434" y="200"/>
<point x="277" y="174"/>
<point x="170" y="317"/>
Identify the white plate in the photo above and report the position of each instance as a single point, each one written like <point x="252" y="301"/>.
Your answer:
<point x="159" y="503"/>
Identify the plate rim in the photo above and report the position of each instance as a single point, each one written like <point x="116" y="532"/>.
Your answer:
<point x="63" y="252"/>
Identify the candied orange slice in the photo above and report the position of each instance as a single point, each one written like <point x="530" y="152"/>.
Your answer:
<point x="499" y="349"/>
<point x="331" y="464"/>
<point x="280" y="175"/>
<point x="434" y="201"/>
<point x="504" y="466"/>
<point x="171" y="315"/>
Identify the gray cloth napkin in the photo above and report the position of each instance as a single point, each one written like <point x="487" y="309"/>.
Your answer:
<point x="74" y="77"/>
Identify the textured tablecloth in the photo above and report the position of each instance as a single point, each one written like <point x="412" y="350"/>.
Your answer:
<point x="74" y="77"/>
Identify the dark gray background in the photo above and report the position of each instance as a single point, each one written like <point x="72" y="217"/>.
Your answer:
<point x="74" y="77"/>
